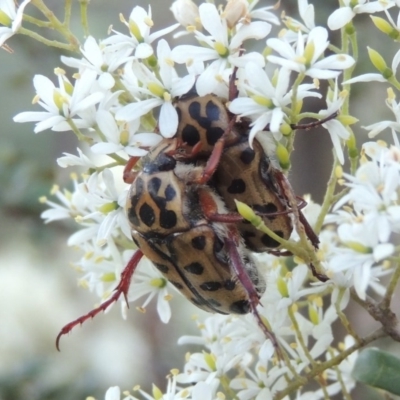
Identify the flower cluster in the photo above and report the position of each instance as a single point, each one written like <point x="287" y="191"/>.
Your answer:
<point x="120" y="102"/>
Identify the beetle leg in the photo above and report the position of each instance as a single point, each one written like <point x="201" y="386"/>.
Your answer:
<point x="129" y="175"/>
<point x="300" y="220"/>
<point x="122" y="288"/>
<point x="238" y="269"/>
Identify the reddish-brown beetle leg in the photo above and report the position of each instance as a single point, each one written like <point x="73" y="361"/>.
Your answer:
<point x="129" y="175"/>
<point x="122" y="288"/>
<point x="239" y="270"/>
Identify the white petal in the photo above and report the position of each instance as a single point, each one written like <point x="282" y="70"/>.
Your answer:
<point x="136" y="110"/>
<point x="183" y="54"/>
<point x="383" y="251"/>
<point x="255" y="30"/>
<point x="105" y="148"/>
<point x="366" y="78"/>
<point x="143" y="50"/>
<point x="340" y="17"/>
<point x="212" y="23"/>
<point x="168" y="120"/>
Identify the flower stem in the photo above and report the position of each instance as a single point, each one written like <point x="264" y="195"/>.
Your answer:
<point x="385" y="303"/>
<point x="84" y="18"/>
<point x="330" y="363"/>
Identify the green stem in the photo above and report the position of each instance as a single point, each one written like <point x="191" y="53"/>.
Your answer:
<point x="81" y="137"/>
<point x="294" y="117"/>
<point x="57" y="25"/>
<point x="327" y="203"/>
<point x="47" y="42"/>
<point x="67" y="12"/>
<point x="330" y="363"/>
<point x="343" y="318"/>
<point x="84" y="18"/>
<point x="300" y="336"/>
<point x="225" y="381"/>
<point x="385" y="303"/>
<point x="37" y="22"/>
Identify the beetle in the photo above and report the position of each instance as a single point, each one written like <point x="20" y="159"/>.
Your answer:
<point x="178" y="227"/>
<point x="232" y="167"/>
<point x="209" y="134"/>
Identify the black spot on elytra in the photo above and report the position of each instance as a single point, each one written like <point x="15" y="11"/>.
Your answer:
<point x="247" y="155"/>
<point x="194" y="268"/>
<point x="138" y="192"/>
<point x="147" y="215"/>
<point x="269" y="242"/>
<point x="190" y="135"/>
<point x="229" y="284"/>
<point x="154" y="186"/>
<point x="212" y="114"/>
<point x="168" y="219"/>
<point x="169" y="193"/>
<point x="132" y="217"/>
<point x="161" y="267"/>
<point x="266" y="209"/>
<point x="240" y="307"/>
<point x="176" y="284"/>
<point x="213" y="134"/>
<point x="199" y="242"/>
<point x="213" y="111"/>
<point x="237" y="186"/>
<point x="211" y="286"/>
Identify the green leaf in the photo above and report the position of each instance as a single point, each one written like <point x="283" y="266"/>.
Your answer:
<point x="379" y="369"/>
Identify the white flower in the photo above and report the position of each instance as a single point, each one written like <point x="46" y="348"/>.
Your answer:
<point x="261" y="384"/>
<point x="10" y="18"/>
<point x="266" y="102"/>
<point x="107" y="205"/>
<point x="186" y="13"/>
<point x="305" y="58"/>
<point x="343" y="15"/>
<point x="336" y="130"/>
<point x="123" y="137"/>
<point x="139" y="25"/>
<point x="81" y="160"/>
<point x="224" y="50"/>
<point x="161" y="92"/>
<point x="72" y="204"/>
<point x="60" y="104"/>
<point x="375" y="129"/>
<point x="307" y="14"/>
<point x="97" y="57"/>
<point x="363" y="251"/>
<point x="148" y="281"/>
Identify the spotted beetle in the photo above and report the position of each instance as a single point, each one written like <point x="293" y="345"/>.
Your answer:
<point x="208" y="134"/>
<point x="178" y="227"/>
<point x="236" y="170"/>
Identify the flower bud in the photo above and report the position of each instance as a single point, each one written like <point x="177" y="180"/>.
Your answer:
<point x="283" y="156"/>
<point x="234" y="11"/>
<point x="186" y="13"/>
<point x="379" y="63"/>
<point x="385" y="27"/>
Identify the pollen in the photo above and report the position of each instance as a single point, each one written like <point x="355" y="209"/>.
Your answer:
<point x="54" y="189"/>
<point x="148" y="21"/>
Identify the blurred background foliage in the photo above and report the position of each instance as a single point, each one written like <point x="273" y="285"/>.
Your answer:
<point x="38" y="293"/>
